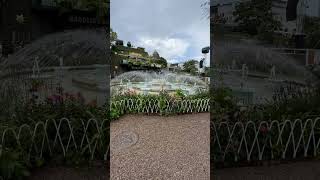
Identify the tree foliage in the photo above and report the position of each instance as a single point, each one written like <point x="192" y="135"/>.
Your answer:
<point x="66" y="5"/>
<point x="311" y="28"/>
<point x="162" y="61"/>
<point x="113" y="35"/>
<point x="190" y="67"/>
<point x="206" y="9"/>
<point x="255" y="18"/>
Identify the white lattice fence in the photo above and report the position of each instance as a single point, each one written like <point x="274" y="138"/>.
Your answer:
<point x="151" y="106"/>
<point x="266" y="140"/>
<point x="59" y="137"/>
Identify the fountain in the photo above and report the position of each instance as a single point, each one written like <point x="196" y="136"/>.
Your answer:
<point x="60" y="58"/>
<point x="273" y="73"/>
<point x="154" y="83"/>
<point x="77" y="47"/>
<point x="35" y="68"/>
<point x="263" y="79"/>
<point x="259" y="57"/>
<point x="234" y="65"/>
<point x="60" y="71"/>
<point x="244" y="74"/>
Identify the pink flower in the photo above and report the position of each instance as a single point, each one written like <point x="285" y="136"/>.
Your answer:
<point x="56" y="98"/>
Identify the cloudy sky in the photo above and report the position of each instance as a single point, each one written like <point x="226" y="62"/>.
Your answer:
<point x="177" y="29"/>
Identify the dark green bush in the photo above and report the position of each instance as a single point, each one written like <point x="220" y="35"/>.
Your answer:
<point x="14" y="161"/>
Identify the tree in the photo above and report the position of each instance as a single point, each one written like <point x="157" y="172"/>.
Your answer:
<point x="96" y="5"/>
<point x="190" y="67"/>
<point x="113" y="35"/>
<point x="255" y="18"/>
<point x="129" y="44"/>
<point x="206" y="9"/>
<point x="162" y="61"/>
<point x="312" y="31"/>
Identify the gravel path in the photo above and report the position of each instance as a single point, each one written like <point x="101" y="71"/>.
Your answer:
<point x="158" y="147"/>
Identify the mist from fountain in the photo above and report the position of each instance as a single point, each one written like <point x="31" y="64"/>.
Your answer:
<point x="165" y="76"/>
<point x="75" y="47"/>
<point x="156" y="82"/>
<point x="260" y="58"/>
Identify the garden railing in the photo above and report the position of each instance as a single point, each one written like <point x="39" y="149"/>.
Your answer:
<point x="61" y="137"/>
<point x="153" y="106"/>
<point x="250" y="141"/>
<point x="67" y="136"/>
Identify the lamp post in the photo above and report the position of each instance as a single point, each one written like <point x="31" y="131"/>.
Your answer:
<point x="204" y="51"/>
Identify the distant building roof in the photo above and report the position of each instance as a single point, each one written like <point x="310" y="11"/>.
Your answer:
<point x="174" y="65"/>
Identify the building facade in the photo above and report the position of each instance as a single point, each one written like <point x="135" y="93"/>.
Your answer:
<point x="22" y="21"/>
<point x="222" y="11"/>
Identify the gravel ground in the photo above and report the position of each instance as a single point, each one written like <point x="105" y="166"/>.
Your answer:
<point x="157" y="147"/>
<point x="307" y="170"/>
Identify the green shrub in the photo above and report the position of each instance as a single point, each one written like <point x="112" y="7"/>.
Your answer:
<point x="179" y="93"/>
<point x="12" y="165"/>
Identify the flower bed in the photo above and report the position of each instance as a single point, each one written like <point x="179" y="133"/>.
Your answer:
<point x="275" y="140"/>
<point x="285" y="129"/>
<point x="63" y="129"/>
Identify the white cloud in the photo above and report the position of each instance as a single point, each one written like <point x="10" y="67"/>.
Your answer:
<point x="169" y="48"/>
<point x="177" y="29"/>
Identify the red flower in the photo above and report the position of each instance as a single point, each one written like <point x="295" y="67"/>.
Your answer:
<point x="80" y="97"/>
<point x="93" y="103"/>
<point x="71" y="97"/>
<point x="264" y="129"/>
<point x="60" y="90"/>
<point x="50" y="99"/>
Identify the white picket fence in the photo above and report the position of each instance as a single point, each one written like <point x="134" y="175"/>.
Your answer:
<point x="249" y="141"/>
